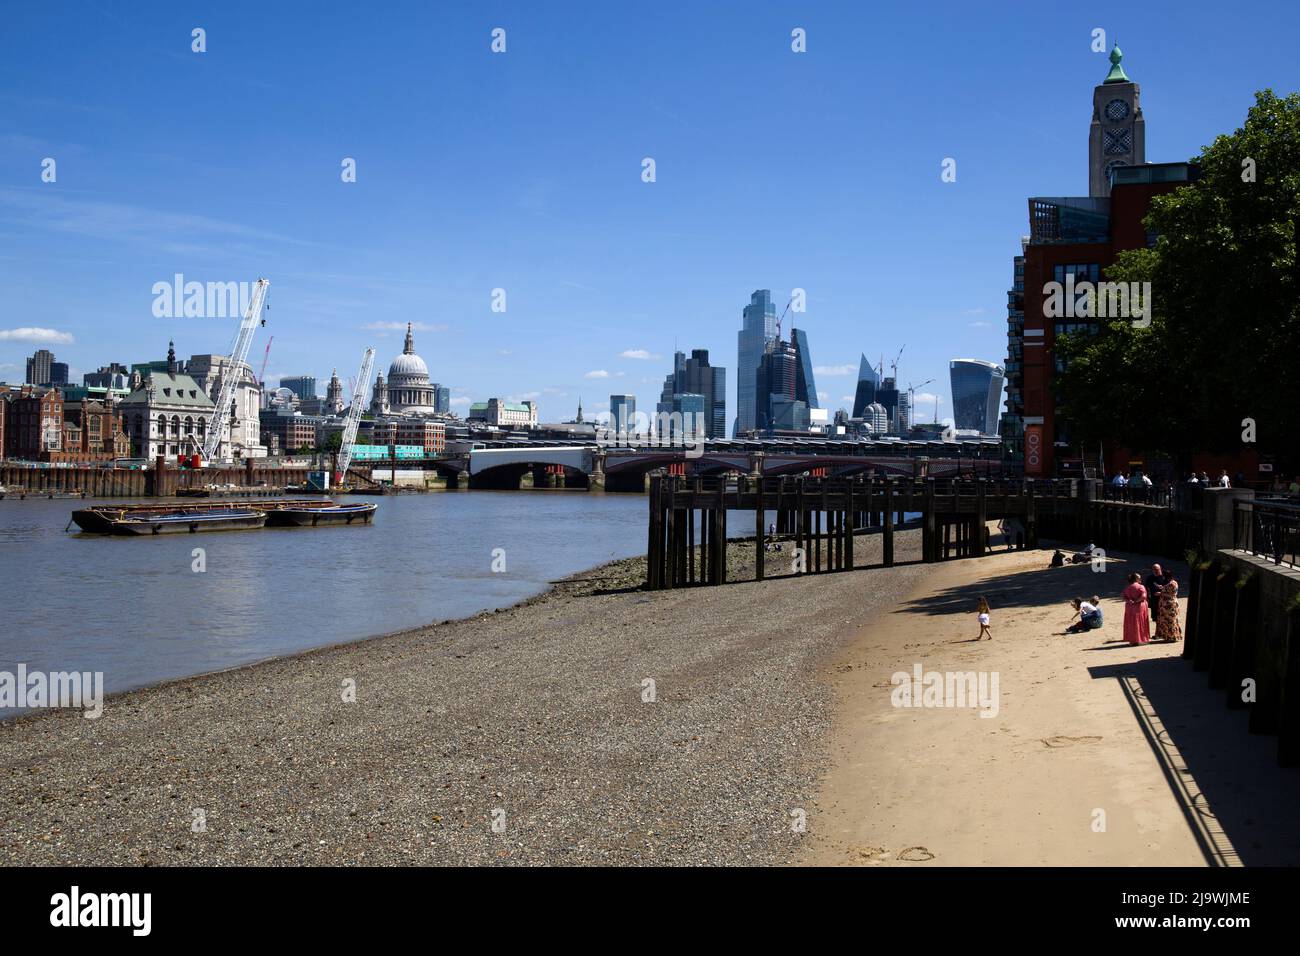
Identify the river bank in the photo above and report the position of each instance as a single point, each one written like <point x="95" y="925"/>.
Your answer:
<point x="537" y="720"/>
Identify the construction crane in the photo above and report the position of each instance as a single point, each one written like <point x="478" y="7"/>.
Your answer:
<point x="222" y="417"/>
<point x="782" y="316"/>
<point x="911" y="397"/>
<point x="261" y="376"/>
<point x="354" y="415"/>
<point x="894" y="365"/>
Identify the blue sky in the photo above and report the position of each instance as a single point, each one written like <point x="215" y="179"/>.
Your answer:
<point x="522" y="171"/>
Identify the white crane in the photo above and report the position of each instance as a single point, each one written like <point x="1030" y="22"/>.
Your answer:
<point x="354" y="414"/>
<point x="231" y="375"/>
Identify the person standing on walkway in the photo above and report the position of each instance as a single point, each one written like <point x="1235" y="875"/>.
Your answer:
<point x="1167" y="626"/>
<point x="1155" y="580"/>
<point x="1137" y="629"/>
<point x="982" y="609"/>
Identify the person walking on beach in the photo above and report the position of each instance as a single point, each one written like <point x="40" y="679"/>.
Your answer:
<point x="983" y="610"/>
<point x="1137" y="629"/>
<point x="1155" y="580"/>
<point x="1167" y="626"/>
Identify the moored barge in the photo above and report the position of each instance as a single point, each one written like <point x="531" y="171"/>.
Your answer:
<point x="325" y="513"/>
<point x="229" y="519"/>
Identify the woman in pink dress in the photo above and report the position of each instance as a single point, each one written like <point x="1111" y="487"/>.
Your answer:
<point x="1137" y="621"/>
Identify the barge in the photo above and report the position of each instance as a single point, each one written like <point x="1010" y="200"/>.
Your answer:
<point x="100" y="518"/>
<point x="323" y="513"/>
<point x="229" y="519"/>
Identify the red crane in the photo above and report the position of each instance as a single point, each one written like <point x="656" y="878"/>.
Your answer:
<point x="261" y="378"/>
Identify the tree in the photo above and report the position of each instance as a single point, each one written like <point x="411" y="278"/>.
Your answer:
<point x="1226" y="321"/>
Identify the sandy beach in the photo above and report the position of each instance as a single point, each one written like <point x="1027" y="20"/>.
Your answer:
<point x="1101" y="753"/>
<point x="600" y="724"/>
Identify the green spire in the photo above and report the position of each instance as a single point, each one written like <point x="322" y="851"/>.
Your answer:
<point x="1116" y="74"/>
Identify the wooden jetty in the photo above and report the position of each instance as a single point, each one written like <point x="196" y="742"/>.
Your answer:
<point x="823" y="516"/>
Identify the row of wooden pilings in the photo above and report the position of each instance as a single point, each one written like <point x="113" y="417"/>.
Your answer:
<point x="821" y="518"/>
<point x="1243" y="633"/>
<point x="92" y="482"/>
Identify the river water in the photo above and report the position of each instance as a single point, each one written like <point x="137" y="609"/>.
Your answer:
<point x="136" y="610"/>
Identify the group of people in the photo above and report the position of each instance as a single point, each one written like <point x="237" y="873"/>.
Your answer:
<point x="1203" y="480"/>
<point x="1146" y="602"/>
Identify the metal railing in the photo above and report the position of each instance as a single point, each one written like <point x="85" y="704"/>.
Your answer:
<point x="1268" y="528"/>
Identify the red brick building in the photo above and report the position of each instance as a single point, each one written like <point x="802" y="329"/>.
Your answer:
<point x="33" y="429"/>
<point x="1071" y="242"/>
<point x="429" y="435"/>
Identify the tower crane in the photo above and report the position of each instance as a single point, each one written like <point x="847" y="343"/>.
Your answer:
<point x="894" y="365"/>
<point x="782" y="316"/>
<point x="261" y="376"/>
<point x="222" y="417"/>
<point x="354" y="415"/>
<point x="911" y="397"/>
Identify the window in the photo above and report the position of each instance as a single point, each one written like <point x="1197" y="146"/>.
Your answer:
<point x="1082" y="272"/>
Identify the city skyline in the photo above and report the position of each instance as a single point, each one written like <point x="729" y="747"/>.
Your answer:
<point x="556" y="217"/>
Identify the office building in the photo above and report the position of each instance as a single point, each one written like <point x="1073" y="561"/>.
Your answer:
<point x="758" y="328"/>
<point x="622" y="414"/>
<point x="695" y="376"/>
<point x="304" y="386"/>
<point x="976" y="395"/>
<point x="1072" y="240"/>
<point x="40" y="367"/>
<point x="868" y="383"/>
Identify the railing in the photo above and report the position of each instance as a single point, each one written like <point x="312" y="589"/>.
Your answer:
<point x="1165" y="496"/>
<point x="1268" y="528"/>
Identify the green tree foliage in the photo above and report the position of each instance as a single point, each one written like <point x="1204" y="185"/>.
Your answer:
<point x="1225" y="330"/>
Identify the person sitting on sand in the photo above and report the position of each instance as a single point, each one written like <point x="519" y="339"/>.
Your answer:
<point x="1058" y="559"/>
<point x="983" y="610"/>
<point x="1088" y="613"/>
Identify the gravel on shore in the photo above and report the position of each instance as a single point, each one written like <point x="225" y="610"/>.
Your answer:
<point x="525" y="736"/>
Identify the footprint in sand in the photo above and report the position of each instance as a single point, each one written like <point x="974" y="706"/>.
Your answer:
<point x="916" y="854"/>
<point x="1068" y="741"/>
<point x="874" y="854"/>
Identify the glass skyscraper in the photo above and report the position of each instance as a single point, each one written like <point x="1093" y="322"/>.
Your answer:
<point x="696" y="377"/>
<point x="976" y="395"/>
<point x="868" y="385"/>
<point x="805" y="389"/>
<point x="758" y="328"/>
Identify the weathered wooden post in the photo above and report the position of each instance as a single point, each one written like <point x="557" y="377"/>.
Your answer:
<point x="760" y="527"/>
<point x="888" y="535"/>
<point x="929" y="542"/>
<point x="852" y="521"/>
<point x="981" y="516"/>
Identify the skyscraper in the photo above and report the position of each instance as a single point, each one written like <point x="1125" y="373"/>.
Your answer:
<point x="622" y="414"/>
<point x="758" y="328"/>
<point x="868" y="384"/>
<point x="805" y="388"/>
<point x="39" y="367"/>
<point x="976" y="394"/>
<point x="696" y="377"/>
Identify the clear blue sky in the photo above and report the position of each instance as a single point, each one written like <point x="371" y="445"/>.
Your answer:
<point x="523" y="171"/>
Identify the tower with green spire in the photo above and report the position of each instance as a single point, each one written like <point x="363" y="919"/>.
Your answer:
<point x="1117" y="136"/>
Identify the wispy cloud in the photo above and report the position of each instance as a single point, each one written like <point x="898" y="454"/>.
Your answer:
<point x="638" y="354"/>
<point x="835" y="369"/>
<point x="597" y="373"/>
<point x="36" y="334"/>
<point x="175" y="232"/>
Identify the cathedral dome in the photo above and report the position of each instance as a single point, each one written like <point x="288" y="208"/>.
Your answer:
<point x="407" y="364"/>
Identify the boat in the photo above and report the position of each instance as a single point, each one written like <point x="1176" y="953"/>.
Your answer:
<point x="99" y="519"/>
<point x="190" y="522"/>
<point x="324" y="513"/>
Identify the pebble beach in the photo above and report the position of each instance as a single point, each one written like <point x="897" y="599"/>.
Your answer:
<point x="594" y="724"/>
